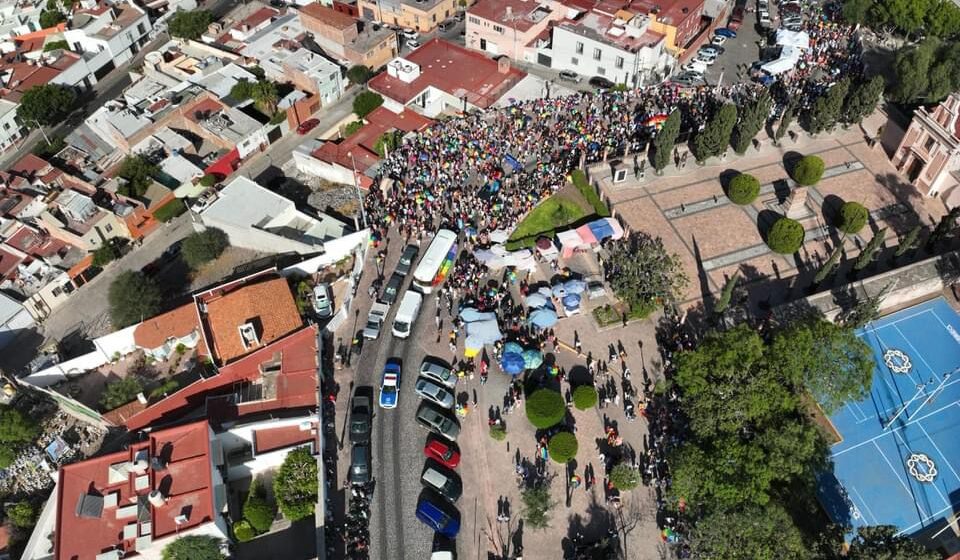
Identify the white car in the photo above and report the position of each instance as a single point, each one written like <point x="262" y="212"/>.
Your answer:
<point x="764" y="18"/>
<point x="718" y="40"/>
<point x="434" y="393"/>
<point x="410" y="34"/>
<point x="322" y="303"/>
<point x="707" y="59"/>
<point x="695" y="66"/>
<point x="412" y="44"/>
<point x="438" y="372"/>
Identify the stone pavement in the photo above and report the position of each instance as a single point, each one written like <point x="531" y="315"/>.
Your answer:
<point x="715" y="238"/>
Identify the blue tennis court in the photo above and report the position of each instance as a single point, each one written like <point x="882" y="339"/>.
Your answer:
<point x="899" y="457"/>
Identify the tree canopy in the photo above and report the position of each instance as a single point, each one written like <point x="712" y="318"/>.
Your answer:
<point x="754" y="533"/>
<point x="359" y="74"/>
<point x="133" y="297"/>
<point x="46" y="104"/>
<point x="744" y="189"/>
<point x="786" y="236"/>
<point x="927" y="72"/>
<point x="880" y="543"/>
<point x="753" y="116"/>
<point x="22" y="514"/>
<point x="545" y="408"/>
<point x="808" y="171"/>
<point x="715" y="136"/>
<point x="366" y="103"/>
<point x="194" y="547"/>
<point x="16" y="427"/>
<point x="642" y="273"/>
<point x="120" y="392"/>
<point x="189" y="24"/>
<point x="201" y="247"/>
<point x="138" y="173"/>
<point x="664" y="141"/>
<point x="563" y="447"/>
<point x="295" y="485"/>
<point x="862" y="99"/>
<point x="853" y="216"/>
<point x="828" y="108"/>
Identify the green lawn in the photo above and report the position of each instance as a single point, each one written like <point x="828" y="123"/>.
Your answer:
<point x="554" y="212"/>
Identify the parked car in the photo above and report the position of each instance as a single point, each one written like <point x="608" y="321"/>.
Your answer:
<point x="695" y="66"/>
<point x="434" y="393"/>
<point x="736" y="19"/>
<point x="712" y="50"/>
<point x="688" y="79"/>
<point x="706" y="58"/>
<point x="206" y="198"/>
<point x="322" y="303"/>
<point x="375" y="319"/>
<point x="360" y="464"/>
<point x="307" y="125"/>
<point x="764" y="19"/>
<point x="718" y="40"/>
<point x="410" y="34"/>
<point x="446" y="25"/>
<point x="460" y="16"/>
<point x="442" y="451"/>
<point x="390" y="384"/>
<point x="437" y="421"/>
<point x="726" y="32"/>
<point x="360" y="409"/>
<point x="601" y="82"/>
<point x="436" y="516"/>
<point x="439" y="372"/>
<point x="595" y="289"/>
<point x="413" y="44"/>
<point x="409" y="255"/>
<point x="392" y="289"/>
<point x="569" y="76"/>
<point x="444" y="481"/>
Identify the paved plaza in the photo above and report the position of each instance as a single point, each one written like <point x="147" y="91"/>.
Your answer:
<point x="715" y="238"/>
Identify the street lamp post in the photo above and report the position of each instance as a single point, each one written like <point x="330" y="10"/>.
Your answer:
<point x="40" y="126"/>
<point x="356" y="186"/>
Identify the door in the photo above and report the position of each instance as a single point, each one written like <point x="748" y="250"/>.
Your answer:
<point x="916" y="166"/>
<point x="483" y="44"/>
<point x="543" y="60"/>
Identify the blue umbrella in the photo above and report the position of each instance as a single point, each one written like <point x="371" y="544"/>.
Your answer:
<point x="532" y="359"/>
<point x="543" y="318"/>
<point x="571" y="302"/>
<point x="512" y="348"/>
<point x="512" y="363"/>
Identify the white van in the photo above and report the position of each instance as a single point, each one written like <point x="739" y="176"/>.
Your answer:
<point x="407" y="314"/>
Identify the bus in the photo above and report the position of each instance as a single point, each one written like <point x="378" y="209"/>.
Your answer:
<point x="436" y="262"/>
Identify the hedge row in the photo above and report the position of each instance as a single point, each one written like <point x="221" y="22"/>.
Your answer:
<point x="589" y="193"/>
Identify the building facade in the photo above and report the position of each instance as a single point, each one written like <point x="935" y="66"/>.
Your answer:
<point x="341" y="35"/>
<point x="512" y="27"/>
<point x="421" y="15"/>
<point x="929" y="154"/>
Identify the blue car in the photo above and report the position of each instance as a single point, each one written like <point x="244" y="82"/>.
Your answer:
<point x="437" y="518"/>
<point x="390" y="385"/>
<point x="726" y="32"/>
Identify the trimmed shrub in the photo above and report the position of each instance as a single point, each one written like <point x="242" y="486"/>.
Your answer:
<point x="563" y="447"/>
<point x="257" y="510"/>
<point x="352" y="128"/>
<point x="585" y="397"/>
<point x="243" y="531"/>
<point x="744" y="189"/>
<point x="853" y="216"/>
<point x="580" y="181"/>
<point x="545" y="408"/>
<point x="785" y="237"/>
<point x="808" y="171"/>
<point x="201" y="247"/>
<point x="170" y="210"/>
<point x="208" y="180"/>
<point x="624" y="477"/>
<point x="498" y="432"/>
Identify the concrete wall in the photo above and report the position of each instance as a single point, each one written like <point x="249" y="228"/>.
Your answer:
<point x="638" y="66"/>
<point x="250" y="237"/>
<point x="332" y="172"/>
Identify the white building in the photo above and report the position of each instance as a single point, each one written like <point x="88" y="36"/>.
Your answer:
<point x="14" y="319"/>
<point x="10" y="128"/>
<point x="108" y="35"/>
<point x="258" y="219"/>
<point x="602" y="45"/>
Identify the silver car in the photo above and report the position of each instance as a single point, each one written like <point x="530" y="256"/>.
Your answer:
<point x="321" y="301"/>
<point x="438" y="422"/>
<point x="434" y="393"/>
<point x="436" y="371"/>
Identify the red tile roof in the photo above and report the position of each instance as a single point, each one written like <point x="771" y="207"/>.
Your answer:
<point x="268" y="304"/>
<point x="259" y="16"/>
<point x="361" y="143"/>
<point x="453" y="69"/>
<point x="24" y="77"/>
<point x="187" y="483"/>
<point x="176" y="323"/>
<point x="296" y="384"/>
<point x="328" y="16"/>
<point x="34" y="167"/>
<point x="35" y="243"/>
<point x="9" y="260"/>
<point x="497" y="11"/>
<point x="271" y="439"/>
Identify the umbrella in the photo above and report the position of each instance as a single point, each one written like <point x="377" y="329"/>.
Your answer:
<point x="558" y="291"/>
<point x="512" y="348"/>
<point x="571" y="302"/>
<point x="512" y="363"/>
<point x="574" y="286"/>
<point x="543" y="318"/>
<point x="543" y="243"/>
<point x="532" y="359"/>
<point x="536" y="301"/>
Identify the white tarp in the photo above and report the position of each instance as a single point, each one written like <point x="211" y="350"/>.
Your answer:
<point x="779" y="66"/>
<point x="497" y="257"/>
<point x="795" y="39"/>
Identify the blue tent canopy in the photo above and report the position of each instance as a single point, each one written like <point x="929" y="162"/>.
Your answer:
<point x="571" y="302"/>
<point x="543" y="318"/>
<point x="532" y="359"/>
<point x="601" y="229"/>
<point x="512" y="348"/>
<point x="512" y="363"/>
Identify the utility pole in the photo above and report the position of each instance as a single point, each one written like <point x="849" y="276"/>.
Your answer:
<point x="356" y="186"/>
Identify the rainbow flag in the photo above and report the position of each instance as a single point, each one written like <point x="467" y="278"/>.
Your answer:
<point x="446" y="266"/>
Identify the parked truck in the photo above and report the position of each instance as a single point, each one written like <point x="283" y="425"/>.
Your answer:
<point x="375" y="319"/>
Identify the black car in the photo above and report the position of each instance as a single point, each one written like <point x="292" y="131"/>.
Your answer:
<point x="360" y="464"/>
<point x="392" y="289"/>
<point x="600" y="82"/>
<point x="409" y="255"/>
<point x="360" y="408"/>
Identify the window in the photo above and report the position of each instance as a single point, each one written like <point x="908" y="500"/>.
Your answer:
<point x="928" y="145"/>
<point x="596" y="54"/>
<point x="474" y="20"/>
<point x="498" y="29"/>
<point x="619" y="62"/>
<point x="601" y="71"/>
<point x="109" y="228"/>
<point x="579" y="47"/>
<point x="574" y="60"/>
<point x="56" y="292"/>
<point x="433" y="18"/>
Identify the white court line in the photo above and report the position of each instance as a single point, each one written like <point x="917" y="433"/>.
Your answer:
<point x="944" y="326"/>
<point x="884" y="432"/>
<point x="901" y="319"/>
<point x="919" y="355"/>
<point x="900" y="480"/>
<point x="865" y="506"/>
<point x="935" y="446"/>
<point x="922" y="484"/>
<point x="934" y="515"/>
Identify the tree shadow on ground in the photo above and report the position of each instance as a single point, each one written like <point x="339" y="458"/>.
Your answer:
<point x="725" y="177"/>
<point x="586" y="528"/>
<point x="831" y="209"/>
<point x="765" y="221"/>
<point x="790" y="160"/>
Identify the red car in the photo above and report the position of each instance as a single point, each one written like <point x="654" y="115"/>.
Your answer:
<point x="443" y="452"/>
<point x="307" y="126"/>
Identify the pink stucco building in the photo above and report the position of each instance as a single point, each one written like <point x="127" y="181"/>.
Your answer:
<point x="929" y="153"/>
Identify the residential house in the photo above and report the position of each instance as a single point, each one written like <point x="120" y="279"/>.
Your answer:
<point x="680" y="21"/>
<point x="186" y="60"/>
<point x="514" y="27"/>
<point x="422" y="15"/>
<point x="259" y="219"/>
<point x="108" y="35"/>
<point x="618" y="46"/>
<point x="341" y="35"/>
<point x="14" y="319"/>
<point x="442" y="77"/>
<point x="11" y="129"/>
<point x="929" y="153"/>
<point x="253" y="24"/>
<point x="335" y="161"/>
<point x="315" y="74"/>
<point x="74" y="218"/>
<point x="227" y="127"/>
